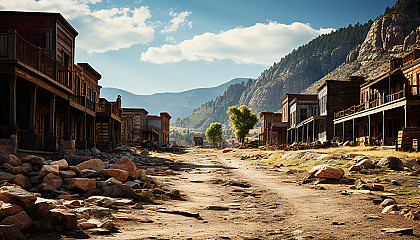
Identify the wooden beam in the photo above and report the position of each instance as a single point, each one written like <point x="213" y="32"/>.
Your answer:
<point x="12" y="95"/>
<point x="52" y="115"/>
<point x="33" y="108"/>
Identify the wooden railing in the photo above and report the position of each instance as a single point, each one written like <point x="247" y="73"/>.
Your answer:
<point x="15" y="47"/>
<point x="90" y="105"/>
<point x="374" y="103"/>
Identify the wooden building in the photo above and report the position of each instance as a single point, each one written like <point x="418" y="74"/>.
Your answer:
<point x="159" y="128"/>
<point x="387" y="103"/>
<point x="273" y="130"/>
<point x="133" y="125"/>
<point x="36" y="78"/>
<point x="300" y="108"/>
<point x="108" y="124"/>
<point x="198" y="141"/>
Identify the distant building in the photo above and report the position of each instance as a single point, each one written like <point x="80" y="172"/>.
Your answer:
<point x="301" y="108"/>
<point x="158" y="127"/>
<point x="198" y="141"/>
<point x="134" y="124"/>
<point x="108" y="124"/>
<point x="273" y="130"/>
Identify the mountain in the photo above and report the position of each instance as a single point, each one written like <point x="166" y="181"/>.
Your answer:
<point x="178" y="105"/>
<point x="362" y="49"/>
<point x="294" y="73"/>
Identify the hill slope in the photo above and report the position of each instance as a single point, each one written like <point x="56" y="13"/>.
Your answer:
<point x="178" y="105"/>
<point x="293" y="73"/>
<point x="355" y="50"/>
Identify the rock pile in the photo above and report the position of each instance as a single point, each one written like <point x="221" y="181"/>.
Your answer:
<point x="47" y="195"/>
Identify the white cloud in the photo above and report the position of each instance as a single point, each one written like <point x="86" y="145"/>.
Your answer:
<point x="170" y="39"/>
<point x="178" y="20"/>
<point x="259" y="44"/>
<point x="99" y="30"/>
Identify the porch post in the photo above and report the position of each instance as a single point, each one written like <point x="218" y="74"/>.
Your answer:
<point x="405" y="115"/>
<point x="307" y="133"/>
<point x="33" y="109"/>
<point x="84" y="130"/>
<point x="67" y="123"/>
<point x="12" y="119"/>
<point x="383" y="127"/>
<point x="52" y="115"/>
<point x="303" y="133"/>
<point x="354" y="137"/>
<point x="313" y="131"/>
<point x="369" y="131"/>
<point x="343" y="130"/>
<point x="333" y="132"/>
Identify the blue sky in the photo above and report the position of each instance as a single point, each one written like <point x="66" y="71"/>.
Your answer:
<point x="148" y="46"/>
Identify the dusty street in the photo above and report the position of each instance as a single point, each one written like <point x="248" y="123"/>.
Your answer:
<point x="240" y="199"/>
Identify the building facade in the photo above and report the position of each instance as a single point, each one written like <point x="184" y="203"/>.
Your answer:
<point x="273" y="130"/>
<point x="133" y="125"/>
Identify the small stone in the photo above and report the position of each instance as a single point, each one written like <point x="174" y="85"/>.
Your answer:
<point x="11" y="232"/>
<point x="326" y="171"/>
<point x="94" y="164"/>
<point x="402" y="231"/>
<point x="392" y="163"/>
<point x="366" y="163"/>
<point x="48" y="169"/>
<point x="91" y="223"/>
<point x="121" y="175"/>
<point x="68" y="174"/>
<point x="7" y="209"/>
<point x="12" y="160"/>
<point x="378" y="187"/>
<point x="138" y="206"/>
<point x="127" y="165"/>
<point x="108" y="224"/>
<point x="387" y="202"/>
<point x="150" y="172"/>
<point x="32" y="159"/>
<point x="355" y="168"/>
<point x="60" y="163"/>
<point x="22" y="181"/>
<point x="390" y="208"/>
<point x="81" y="184"/>
<point x="27" y="168"/>
<point x="67" y="220"/>
<point x="21" y="220"/>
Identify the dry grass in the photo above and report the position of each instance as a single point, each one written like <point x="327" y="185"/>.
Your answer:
<point x="277" y="159"/>
<point x="370" y="151"/>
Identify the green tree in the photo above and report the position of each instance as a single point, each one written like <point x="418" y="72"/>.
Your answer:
<point x="243" y="120"/>
<point x="214" y="133"/>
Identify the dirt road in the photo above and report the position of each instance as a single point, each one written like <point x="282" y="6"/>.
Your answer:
<point x="240" y="199"/>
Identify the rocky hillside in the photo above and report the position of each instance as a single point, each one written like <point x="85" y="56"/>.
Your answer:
<point x="392" y="34"/>
<point x="294" y="73"/>
<point x="355" y="50"/>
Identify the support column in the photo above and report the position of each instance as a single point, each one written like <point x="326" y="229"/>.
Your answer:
<point x="370" y="140"/>
<point x="12" y="119"/>
<point x="307" y="133"/>
<point x="383" y="127"/>
<point x="33" y="109"/>
<point x="296" y="135"/>
<point x="84" y="130"/>
<point x="303" y="133"/>
<point x="313" y="131"/>
<point x="354" y="136"/>
<point x="333" y="131"/>
<point x="52" y="116"/>
<point x="405" y="115"/>
<point x="344" y="130"/>
<point x="67" y="132"/>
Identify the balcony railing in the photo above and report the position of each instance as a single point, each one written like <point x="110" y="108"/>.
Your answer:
<point x="90" y="105"/>
<point x="374" y="103"/>
<point x="15" y="47"/>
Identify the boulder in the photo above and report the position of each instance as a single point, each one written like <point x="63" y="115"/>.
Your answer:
<point x="43" y="225"/>
<point x="12" y="160"/>
<point x="50" y="185"/>
<point x="95" y="164"/>
<point x="11" y="232"/>
<point x="119" y="174"/>
<point x="8" y="209"/>
<point x="68" y="174"/>
<point x="27" y="168"/>
<point x="6" y="166"/>
<point x="118" y="191"/>
<point x="22" y="181"/>
<point x="355" y="168"/>
<point x="16" y="170"/>
<point x="60" y="163"/>
<point x="48" y="169"/>
<point x="66" y="220"/>
<point x="81" y="184"/>
<point x="126" y="164"/>
<point x="392" y="163"/>
<point x="32" y="159"/>
<point x="21" y="220"/>
<point x="326" y="171"/>
<point x="366" y="163"/>
<point x="6" y="176"/>
<point x="387" y="202"/>
<point x="19" y="196"/>
<point x="43" y="206"/>
<point x="390" y="208"/>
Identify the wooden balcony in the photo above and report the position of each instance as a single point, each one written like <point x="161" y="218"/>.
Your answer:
<point x="14" y="48"/>
<point x="109" y="108"/>
<point x="83" y="104"/>
<point x="372" y="104"/>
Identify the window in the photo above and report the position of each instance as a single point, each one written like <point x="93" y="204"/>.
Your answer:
<point x="303" y="113"/>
